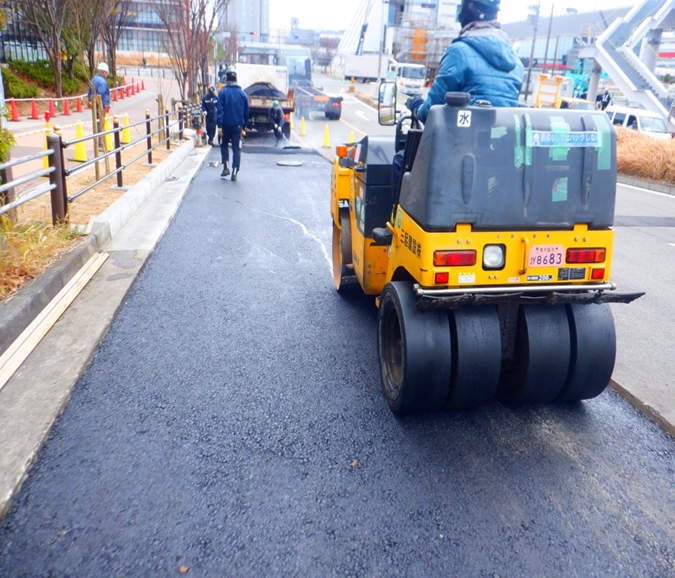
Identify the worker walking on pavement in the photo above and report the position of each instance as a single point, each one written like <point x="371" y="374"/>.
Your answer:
<point x="210" y="107"/>
<point x="232" y="119"/>
<point x="276" y="118"/>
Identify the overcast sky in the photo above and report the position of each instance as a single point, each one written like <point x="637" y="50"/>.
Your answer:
<point x="337" y="14"/>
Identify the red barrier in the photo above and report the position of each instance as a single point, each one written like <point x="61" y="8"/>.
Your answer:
<point x="33" y="111"/>
<point x="66" y="107"/>
<point x="52" y="112"/>
<point x="79" y="104"/>
<point x="15" y="112"/>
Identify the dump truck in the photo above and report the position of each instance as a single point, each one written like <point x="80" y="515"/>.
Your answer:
<point x="490" y="259"/>
<point x="263" y="85"/>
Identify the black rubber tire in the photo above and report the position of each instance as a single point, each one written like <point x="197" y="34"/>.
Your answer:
<point x="414" y="351"/>
<point x="342" y="253"/>
<point x="476" y="357"/>
<point x="593" y="351"/>
<point x="542" y="357"/>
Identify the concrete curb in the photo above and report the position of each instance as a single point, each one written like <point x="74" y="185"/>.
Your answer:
<point x="657" y="186"/>
<point x="111" y="221"/>
<point x="18" y="312"/>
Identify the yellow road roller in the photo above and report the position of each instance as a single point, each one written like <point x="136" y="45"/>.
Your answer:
<point x="490" y="258"/>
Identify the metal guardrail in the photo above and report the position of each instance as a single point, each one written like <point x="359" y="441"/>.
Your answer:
<point x="58" y="173"/>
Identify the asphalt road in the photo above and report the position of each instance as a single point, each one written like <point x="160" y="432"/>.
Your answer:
<point x="232" y="423"/>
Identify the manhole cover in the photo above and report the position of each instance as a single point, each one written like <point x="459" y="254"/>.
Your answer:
<point x="289" y="163"/>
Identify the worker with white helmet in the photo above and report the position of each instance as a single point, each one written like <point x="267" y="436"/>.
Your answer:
<point x="99" y="85"/>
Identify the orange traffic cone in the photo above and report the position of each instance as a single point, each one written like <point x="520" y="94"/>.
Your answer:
<point x="138" y="87"/>
<point x="114" y="95"/>
<point x="66" y="107"/>
<point x="52" y="112"/>
<point x="142" y="84"/>
<point x="121" y="93"/>
<point x="15" y="112"/>
<point x="133" y="89"/>
<point x="128" y="93"/>
<point x="33" y="111"/>
<point x="78" y="104"/>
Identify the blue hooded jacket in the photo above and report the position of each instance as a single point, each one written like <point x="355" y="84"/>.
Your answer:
<point x="482" y="62"/>
<point x="232" y="106"/>
<point x="101" y="87"/>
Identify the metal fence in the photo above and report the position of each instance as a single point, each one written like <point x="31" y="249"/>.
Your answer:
<point x="167" y="125"/>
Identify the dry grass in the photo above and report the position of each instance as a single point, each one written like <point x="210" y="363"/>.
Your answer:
<point x="638" y="155"/>
<point x="26" y="250"/>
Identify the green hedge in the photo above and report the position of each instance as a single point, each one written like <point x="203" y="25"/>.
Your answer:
<point x="42" y="74"/>
<point x="17" y="88"/>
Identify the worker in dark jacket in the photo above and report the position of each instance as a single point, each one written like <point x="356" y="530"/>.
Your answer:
<point x="480" y="61"/>
<point x="210" y="107"/>
<point x="99" y="87"/>
<point x="276" y="119"/>
<point x="232" y="119"/>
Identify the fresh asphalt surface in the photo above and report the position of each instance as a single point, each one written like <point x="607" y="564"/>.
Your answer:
<point x="232" y="423"/>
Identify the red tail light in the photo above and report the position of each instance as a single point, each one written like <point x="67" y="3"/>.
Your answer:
<point x="336" y="104"/>
<point x="585" y="256"/>
<point x="454" y="258"/>
<point x="287" y="116"/>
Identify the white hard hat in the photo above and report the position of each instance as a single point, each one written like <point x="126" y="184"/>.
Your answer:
<point x="104" y="67"/>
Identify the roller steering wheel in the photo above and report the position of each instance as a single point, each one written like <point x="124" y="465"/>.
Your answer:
<point x="415" y="123"/>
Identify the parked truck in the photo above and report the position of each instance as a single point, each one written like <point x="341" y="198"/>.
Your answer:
<point x="309" y="98"/>
<point x="409" y="78"/>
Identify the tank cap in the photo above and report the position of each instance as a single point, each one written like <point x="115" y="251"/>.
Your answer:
<point x="457" y="98"/>
<point x="483" y="103"/>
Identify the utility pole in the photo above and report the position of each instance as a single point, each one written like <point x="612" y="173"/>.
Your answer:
<point x="548" y="39"/>
<point x="382" y="39"/>
<point x="534" y="41"/>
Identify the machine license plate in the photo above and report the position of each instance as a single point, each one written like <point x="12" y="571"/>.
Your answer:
<point x="546" y="256"/>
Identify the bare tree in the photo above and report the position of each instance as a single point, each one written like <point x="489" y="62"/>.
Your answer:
<point x="86" y="19"/>
<point x="190" y="26"/>
<point x="47" y="18"/>
<point x="112" y="29"/>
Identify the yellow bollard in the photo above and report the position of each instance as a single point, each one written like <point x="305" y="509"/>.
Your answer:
<point x="108" y="138"/>
<point x="326" y="139"/>
<point x="80" y="155"/>
<point x="126" y="133"/>
<point x="351" y="136"/>
<point x="292" y="115"/>
<point x="45" y="163"/>
<point x="303" y="132"/>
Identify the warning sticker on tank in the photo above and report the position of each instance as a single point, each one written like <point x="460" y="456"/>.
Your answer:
<point x="540" y="277"/>
<point x="466" y="278"/>
<point x="464" y="118"/>
<point x="572" y="274"/>
<point x="543" y="138"/>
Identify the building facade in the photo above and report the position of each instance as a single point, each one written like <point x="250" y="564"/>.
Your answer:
<point x="250" y="19"/>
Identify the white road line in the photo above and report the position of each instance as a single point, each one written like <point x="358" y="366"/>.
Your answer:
<point x="672" y="244"/>
<point x="647" y="190"/>
<point x="362" y="115"/>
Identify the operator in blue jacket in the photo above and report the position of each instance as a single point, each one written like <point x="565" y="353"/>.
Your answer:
<point x="480" y="61"/>
<point x="232" y="119"/>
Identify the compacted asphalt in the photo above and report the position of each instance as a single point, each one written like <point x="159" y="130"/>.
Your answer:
<point x="232" y="424"/>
